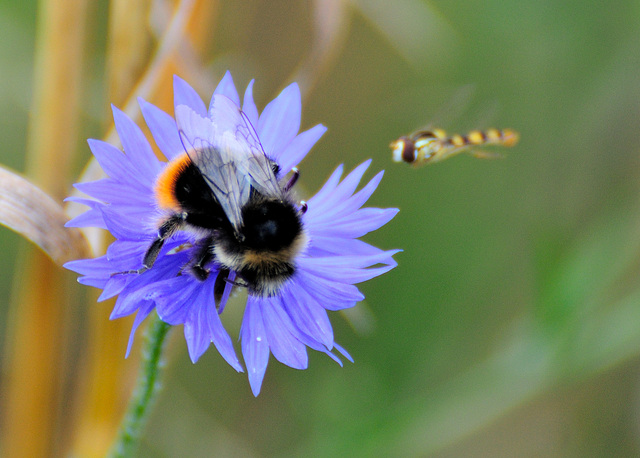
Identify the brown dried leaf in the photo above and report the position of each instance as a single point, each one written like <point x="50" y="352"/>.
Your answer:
<point x="30" y="212"/>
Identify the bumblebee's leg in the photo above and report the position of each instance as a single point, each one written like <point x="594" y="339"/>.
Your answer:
<point x="220" y="285"/>
<point x="166" y="230"/>
<point x="203" y="256"/>
<point x="303" y="208"/>
<point x="294" y="178"/>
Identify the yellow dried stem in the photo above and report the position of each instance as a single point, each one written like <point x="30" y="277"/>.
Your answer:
<point x="156" y="79"/>
<point x="105" y="385"/>
<point x="131" y="74"/>
<point x="201" y="26"/>
<point x="154" y="83"/>
<point x="35" y="354"/>
<point x="105" y="375"/>
<point x="129" y="47"/>
<point x="52" y="138"/>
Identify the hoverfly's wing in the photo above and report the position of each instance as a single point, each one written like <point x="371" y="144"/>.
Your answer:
<point x="444" y="148"/>
<point x="213" y="153"/>
<point x="249" y="156"/>
<point x="482" y="154"/>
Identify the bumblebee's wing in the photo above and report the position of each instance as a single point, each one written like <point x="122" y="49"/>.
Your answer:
<point x="249" y="156"/>
<point x="226" y="150"/>
<point x="213" y="152"/>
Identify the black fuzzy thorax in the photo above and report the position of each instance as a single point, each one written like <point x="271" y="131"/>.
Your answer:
<point x="198" y="200"/>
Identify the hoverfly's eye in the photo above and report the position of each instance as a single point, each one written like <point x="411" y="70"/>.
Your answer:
<point x="408" y="151"/>
<point x="403" y="150"/>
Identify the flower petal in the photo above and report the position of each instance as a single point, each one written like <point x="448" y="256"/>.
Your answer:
<point x="307" y="314"/>
<point x="255" y="346"/>
<point x="357" y="200"/>
<point x="329" y="186"/>
<point x="343" y="352"/>
<point x="95" y="272"/>
<point x="183" y="94"/>
<point x="348" y="269"/>
<point x="90" y="218"/>
<point x="249" y="106"/>
<point x="281" y="334"/>
<point x="356" y="224"/>
<point x="280" y="121"/>
<point x="221" y="339"/>
<point x="143" y="313"/>
<point x="194" y="128"/>
<point x="226" y="88"/>
<point x="114" y="286"/>
<point x="329" y="294"/>
<point x="296" y="151"/>
<point x="196" y="332"/>
<point x="342" y="191"/>
<point x="116" y="193"/>
<point x="321" y="246"/>
<point x="136" y="147"/>
<point x="115" y="164"/>
<point x="163" y="129"/>
<point x="129" y="226"/>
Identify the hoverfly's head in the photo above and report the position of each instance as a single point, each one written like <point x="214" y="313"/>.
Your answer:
<point x="403" y="150"/>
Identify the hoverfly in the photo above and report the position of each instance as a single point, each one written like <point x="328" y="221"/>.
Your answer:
<point x="428" y="146"/>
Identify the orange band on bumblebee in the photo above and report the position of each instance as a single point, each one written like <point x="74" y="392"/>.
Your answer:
<point x="165" y="187"/>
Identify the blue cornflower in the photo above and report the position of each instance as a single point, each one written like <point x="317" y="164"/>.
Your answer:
<point x="327" y="265"/>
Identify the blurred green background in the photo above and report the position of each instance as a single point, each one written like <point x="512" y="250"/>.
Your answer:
<point x="511" y="326"/>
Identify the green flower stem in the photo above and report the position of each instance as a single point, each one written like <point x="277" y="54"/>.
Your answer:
<point x="145" y="391"/>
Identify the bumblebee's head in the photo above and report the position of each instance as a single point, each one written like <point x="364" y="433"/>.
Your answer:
<point x="270" y="225"/>
<point x="263" y="250"/>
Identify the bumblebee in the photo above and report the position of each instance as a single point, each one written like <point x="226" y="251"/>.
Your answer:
<point x="428" y="146"/>
<point x="225" y="190"/>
